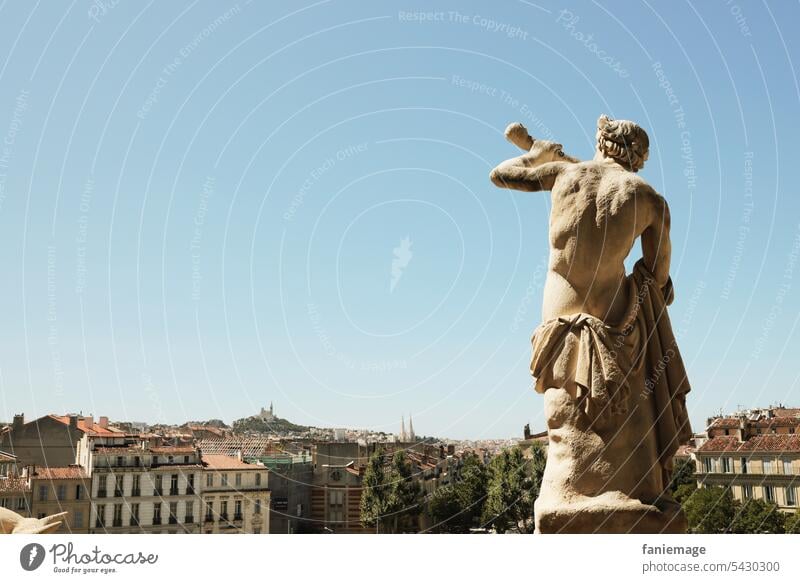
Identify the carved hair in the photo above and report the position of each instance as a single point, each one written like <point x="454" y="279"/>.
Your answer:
<point x="623" y="141"/>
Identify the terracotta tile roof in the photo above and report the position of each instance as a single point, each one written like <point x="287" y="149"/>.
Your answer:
<point x="95" y="430"/>
<point x="725" y="423"/>
<point x="226" y="462"/>
<point x="15" y="484"/>
<point x="60" y="473"/>
<point x="756" y="444"/>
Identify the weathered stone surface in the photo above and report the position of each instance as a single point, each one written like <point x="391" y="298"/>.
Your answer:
<point x="604" y="357"/>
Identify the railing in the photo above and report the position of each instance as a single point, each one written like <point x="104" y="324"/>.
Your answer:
<point x="209" y="518"/>
<point x="173" y="491"/>
<point x="190" y="491"/>
<point x="134" y="521"/>
<point x="237" y="517"/>
<point x="99" y="523"/>
<point x="156" y="520"/>
<point x="158" y="491"/>
<point x="223" y="516"/>
<point x="101" y="493"/>
<point x="189" y="519"/>
<point x="173" y="519"/>
<point x="117" y="522"/>
<point x="136" y="493"/>
<point x="118" y="493"/>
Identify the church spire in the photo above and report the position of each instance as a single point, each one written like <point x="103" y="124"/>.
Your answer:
<point x="411" y="436"/>
<point x="402" y="428"/>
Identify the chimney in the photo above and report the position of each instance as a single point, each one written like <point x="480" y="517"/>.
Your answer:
<point x="19" y="421"/>
<point x="103" y="422"/>
<point x="73" y="421"/>
<point x="88" y="421"/>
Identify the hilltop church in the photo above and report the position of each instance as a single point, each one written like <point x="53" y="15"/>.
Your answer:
<point x="267" y="415"/>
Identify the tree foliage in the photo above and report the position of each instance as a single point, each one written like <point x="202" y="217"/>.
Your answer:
<point x="792" y="525"/>
<point x="683" y="474"/>
<point x="710" y="510"/>
<point x="457" y="507"/>
<point x="514" y="484"/>
<point x="390" y="497"/>
<point x="758" y="516"/>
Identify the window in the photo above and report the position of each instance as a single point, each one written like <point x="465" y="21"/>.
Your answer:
<point x="61" y="492"/>
<point x="336" y="505"/>
<point x="744" y="465"/>
<point x="769" y="493"/>
<point x="791" y="496"/>
<point x="224" y="480"/>
<point x="768" y="467"/>
<point x="209" y="480"/>
<point x="223" y="510"/>
<point x="158" y="488"/>
<point x="209" y="511"/>
<point x="136" y="461"/>
<point x="77" y="519"/>
<point x="238" y="479"/>
<point x="78" y="492"/>
<point x="101" y="486"/>
<point x="120" y="461"/>
<point x="20" y="503"/>
<point x="43" y="492"/>
<point x="787" y="467"/>
<point x="135" y="514"/>
<point x="136" y="489"/>
<point x="117" y="514"/>
<point x="173" y="513"/>
<point x="190" y="484"/>
<point x="186" y="459"/>
<point x="747" y="491"/>
<point x="155" y="460"/>
<point x="157" y="513"/>
<point x="119" y="488"/>
<point x="101" y="516"/>
<point x="709" y="465"/>
<point x="237" y="510"/>
<point x="171" y="460"/>
<point x="258" y="479"/>
<point x="173" y="485"/>
<point x="188" y="508"/>
<point x="257" y="509"/>
<point x="726" y="465"/>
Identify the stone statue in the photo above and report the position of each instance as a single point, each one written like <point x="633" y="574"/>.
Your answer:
<point x="13" y="523"/>
<point x="604" y="357"/>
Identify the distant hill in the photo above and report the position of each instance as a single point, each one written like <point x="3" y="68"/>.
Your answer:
<point x="218" y="423"/>
<point x="258" y="425"/>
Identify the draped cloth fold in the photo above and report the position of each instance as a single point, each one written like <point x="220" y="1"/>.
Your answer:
<point x="604" y="360"/>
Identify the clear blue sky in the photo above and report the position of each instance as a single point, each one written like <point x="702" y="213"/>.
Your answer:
<point x="200" y="202"/>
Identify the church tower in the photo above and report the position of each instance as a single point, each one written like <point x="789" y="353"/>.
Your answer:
<point x="402" y="429"/>
<point x="411" y="436"/>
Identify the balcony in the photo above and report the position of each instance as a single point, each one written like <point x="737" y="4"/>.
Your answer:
<point x="224" y="516"/>
<point x="134" y="521"/>
<point x="135" y="493"/>
<point x="173" y="519"/>
<point x="158" y="491"/>
<point x="189" y="519"/>
<point x="156" y="520"/>
<point x="118" y="493"/>
<point x="117" y="522"/>
<point x="190" y="491"/>
<point x="209" y="518"/>
<point x="173" y="491"/>
<point x="101" y="493"/>
<point x="237" y="517"/>
<point x="99" y="524"/>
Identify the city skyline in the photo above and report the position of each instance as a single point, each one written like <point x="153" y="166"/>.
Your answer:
<point x="205" y="204"/>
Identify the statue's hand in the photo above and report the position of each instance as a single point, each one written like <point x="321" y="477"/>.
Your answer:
<point x="517" y="134"/>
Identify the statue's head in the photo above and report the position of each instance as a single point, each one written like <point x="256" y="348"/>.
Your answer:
<point x="622" y="141"/>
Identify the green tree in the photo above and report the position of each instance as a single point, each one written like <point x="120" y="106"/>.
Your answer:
<point x="444" y="507"/>
<point x="456" y="508"/>
<point x="792" y="525"/>
<point x="390" y="496"/>
<point x="758" y="516"/>
<point x="514" y="483"/>
<point x="710" y="510"/>
<point x="684" y="491"/>
<point x="405" y="495"/>
<point x="374" y="493"/>
<point x="683" y="474"/>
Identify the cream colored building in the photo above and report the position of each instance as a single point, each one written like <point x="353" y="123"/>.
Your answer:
<point x="146" y="489"/>
<point x="235" y="496"/>
<point x="758" y="457"/>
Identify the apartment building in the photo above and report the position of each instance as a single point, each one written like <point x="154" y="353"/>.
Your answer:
<point x="61" y="489"/>
<point x="757" y="455"/>
<point x="235" y="495"/>
<point x="144" y="488"/>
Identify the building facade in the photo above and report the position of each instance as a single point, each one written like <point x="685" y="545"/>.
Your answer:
<point x="145" y="488"/>
<point x="235" y="496"/>
<point x="61" y="489"/>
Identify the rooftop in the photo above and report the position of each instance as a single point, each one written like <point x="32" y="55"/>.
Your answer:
<point x="59" y="473"/>
<point x="226" y="462"/>
<point x="756" y="444"/>
<point x="15" y="484"/>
